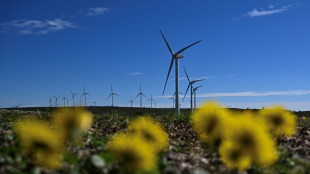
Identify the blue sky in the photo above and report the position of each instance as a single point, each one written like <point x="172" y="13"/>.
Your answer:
<point x="253" y="53"/>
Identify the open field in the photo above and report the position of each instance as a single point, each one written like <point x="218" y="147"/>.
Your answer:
<point x="186" y="154"/>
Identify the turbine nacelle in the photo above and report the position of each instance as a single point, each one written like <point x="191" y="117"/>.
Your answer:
<point x="179" y="56"/>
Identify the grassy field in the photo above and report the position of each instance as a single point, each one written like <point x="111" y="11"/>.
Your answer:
<point x="186" y="154"/>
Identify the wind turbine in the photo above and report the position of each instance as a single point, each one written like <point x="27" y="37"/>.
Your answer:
<point x="140" y="93"/>
<point x="112" y="94"/>
<point x="155" y="103"/>
<point x="151" y="99"/>
<point x="190" y="84"/>
<point x="173" y="98"/>
<point x="50" y="101"/>
<point x="95" y="102"/>
<point x="64" y="99"/>
<point x="175" y="57"/>
<point x="56" y="99"/>
<point x="194" y="90"/>
<point x="130" y="101"/>
<point x="73" y="97"/>
<point x="85" y="94"/>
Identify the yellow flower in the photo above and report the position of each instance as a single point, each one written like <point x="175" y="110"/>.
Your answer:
<point x="209" y="121"/>
<point x="133" y="153"/>
<point x="72" y="122"/>
<point x="249" y="137"/>
<point x="150" y="131"/>
<point x="233" y="157"/>
<point x="303" y="117"/>
<point x="40" y="141"/>
<point x="280" y="121"/>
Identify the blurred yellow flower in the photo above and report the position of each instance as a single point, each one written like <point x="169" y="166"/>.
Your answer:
<point x="209" y="121"/>
<point x="250" y="138"/>
<point x="233" y="157"/>
<point x="72" y="122"/>
<point x="133" y="153"/>
<point x="40" y="141"/>
<point x="280" y="121"/>
<point x="303" y="117"/>
<point x="151" y="131"/>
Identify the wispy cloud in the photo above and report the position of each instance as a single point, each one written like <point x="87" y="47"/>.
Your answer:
<point x="184" y="78"/>
<point x="262" y="12"/>
<point x="250" y="94"/>
<point x="24" y="26"/>
<point x="255" y="94"/>
<point x="96" y="11"/>
<point x="133" y="74"/>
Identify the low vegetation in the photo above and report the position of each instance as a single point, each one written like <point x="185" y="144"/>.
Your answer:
<point x="74" y="140"/>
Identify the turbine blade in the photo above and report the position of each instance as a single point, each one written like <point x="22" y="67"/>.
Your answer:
<point x="194" y="81"/>
<point x="183" y="49"/>
<point x="186" y="91"/>
<point x="116" y="94"/>
<point x="109" y="96"/>
<point x="198" y="87"/>
<point x="186" y="74"/>
<point x="170" y="67"/>
<point x="166" y="42"/>
<point x="143" y="94"/>
<point x="137" y="95"/>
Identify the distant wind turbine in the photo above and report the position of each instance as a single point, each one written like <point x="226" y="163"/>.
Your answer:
<point x="81" y="101"/>
<point x="130" y="101"/>
<point x="95" y="102"/>
<point x="56" y="100"/>
<point x="172" y="98"/>
<point x="190" y="84"/>
<point x="151" y="99"/>
<point x="50" y="101"/>
<point x="155" y="103"/>
<point x="141" y="94"/>
<point x="112" y="94"/>
<point x="175" y="57"/>
<point x="64" y="99"/>
<point x="85" y="94"/>
<point x="194" y="90"/>
<point x="73" y="97"/>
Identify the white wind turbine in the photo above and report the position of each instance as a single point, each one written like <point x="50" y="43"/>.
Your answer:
<point x="56" y="100"/>
<point x="152" y="100"/>
<point x="73" y="97"/>
<point x="112" y="94"/>
<point x="130" y="101"/>
<point x="190" y="84"/>
<point x="194" y="91"/>
<point x="141" y="94"/>
<point x="175" y="58"/>
<point x="85" y="94"/>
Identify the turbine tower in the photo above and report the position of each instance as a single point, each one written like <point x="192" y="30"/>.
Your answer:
<point x="194" y="90"/>
<point x="190" y="84"/>
<point x="73" y="97"/>
<point x="112" y="94"/>
<point x="175" y="57"/>
<point x="130" y="101"/>
<point x="151" y="99"/>
<point x="85" y="94"/>
<point x="56" y="101"/>
<point x="50" y="101"/>
<point x="140" y="93"/>
<point x="155" y="103"/>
